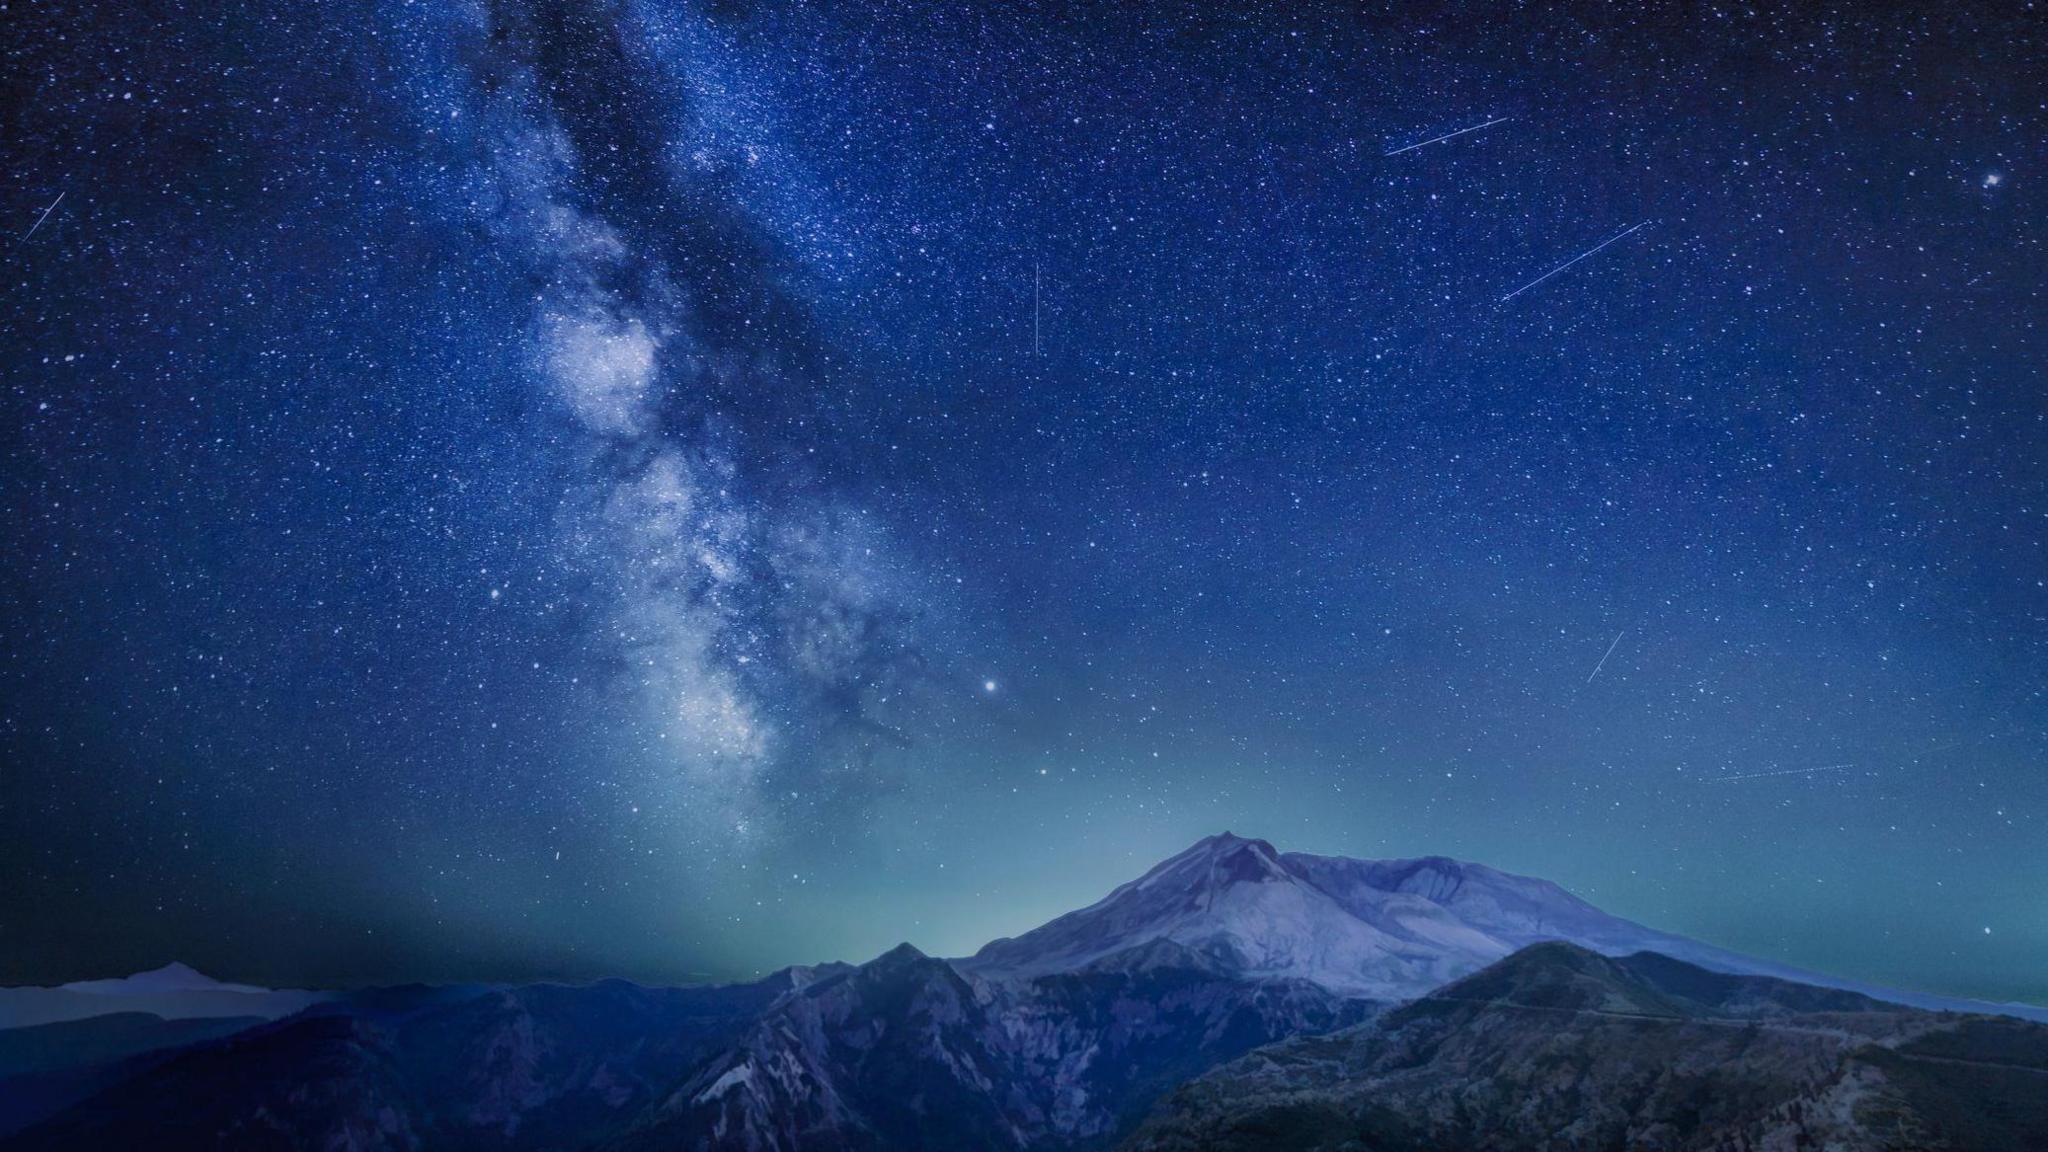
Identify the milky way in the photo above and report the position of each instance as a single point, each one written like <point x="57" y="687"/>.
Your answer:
<point x="742" y="598"/>
<point x="584" y="489"/>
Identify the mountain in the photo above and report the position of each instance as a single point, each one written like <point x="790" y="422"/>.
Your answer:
<point x="907" y="1053"/>
<point x="172" y="977"/>
<point x="45" y="1068"/>
<point x="1273" y="999"/>
<point x="902" y="1052"/>
<point x="173" y="992"/>
<point x="98" y="1039"/>
<point x="536" y="1067"/>
<point x="1559" y="1047"/>
<point x="1381" y="929"/>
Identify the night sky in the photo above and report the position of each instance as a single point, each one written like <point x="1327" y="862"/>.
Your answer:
<point x="566" y="488"/>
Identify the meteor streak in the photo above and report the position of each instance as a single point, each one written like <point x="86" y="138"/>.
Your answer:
<point x="39" y="220"/>
<point x="1574" y="260"/>
<point x="1605" y="655"/>
<point x="1448" y="135"/>
<point x="1781" y="772"/>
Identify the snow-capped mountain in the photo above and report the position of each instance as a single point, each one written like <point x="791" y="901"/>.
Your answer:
<point x="1383" y="929"/>
<point x="172" y="977"/>
<point x="173" y="992"/>
<point x="1386" y="929"/>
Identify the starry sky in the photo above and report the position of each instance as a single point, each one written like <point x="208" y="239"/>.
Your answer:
<point x="566" y="488"/>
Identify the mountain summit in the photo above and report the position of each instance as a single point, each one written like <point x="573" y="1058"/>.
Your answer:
<point x="1386" y="929"/>
<point x="1381" y="929"/>
<point x="174" y="992"/>
<point x="172" y="977"/>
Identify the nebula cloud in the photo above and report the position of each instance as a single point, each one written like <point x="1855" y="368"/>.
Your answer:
<point x="751" y="612"/>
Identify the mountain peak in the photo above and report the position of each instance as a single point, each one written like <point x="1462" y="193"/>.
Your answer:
<point x="1225" y="842"/>
<point x="1214" y="862"/>
<point x="1557" y="976"/>
<point x="172" y="977"/>
<point x="1234" y="859"/>
<point x="1554" y="976"/>
<point x="904" y="953"/>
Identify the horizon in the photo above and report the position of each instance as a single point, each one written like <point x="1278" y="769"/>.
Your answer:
<point x="1224" y="836"/>
<point x="671" y="490"/>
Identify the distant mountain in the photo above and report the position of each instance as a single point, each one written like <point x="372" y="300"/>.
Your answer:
<point x="173" y="992"/>
<point x="1558" y="1047"/>
<point x="172" y="977"/>
<point x="538" y="1067"/>
<point x="1382" y="929"/>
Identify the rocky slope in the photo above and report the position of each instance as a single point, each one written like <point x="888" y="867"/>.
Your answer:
<point x="907" y="1053"/>
<point x="1561" y="1048"/>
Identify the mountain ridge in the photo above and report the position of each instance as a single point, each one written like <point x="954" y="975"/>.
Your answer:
<point x="1063" y="1038"/>
<point x="1381" y="929"/>
<point x="175" y="976"/>
<point x="1559" y="1046"/>
<point x="174" y="991"/>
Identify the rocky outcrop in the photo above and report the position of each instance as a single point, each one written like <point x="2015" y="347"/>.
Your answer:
<point x="1560" y="1048"/>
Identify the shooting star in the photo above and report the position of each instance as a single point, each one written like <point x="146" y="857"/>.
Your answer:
<point x="1781" y="772"/>
<point x="1622" y="235"/>
<point x="39" y="220"/>
<point x="1605" y="655"/>
<point x="1448" y="135"/>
